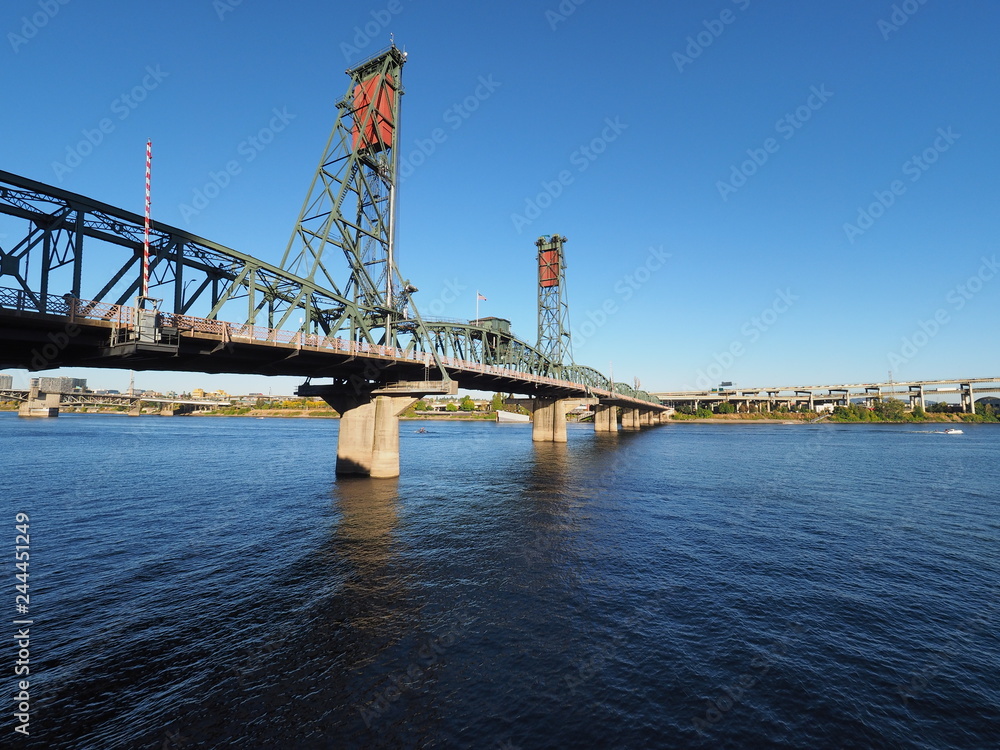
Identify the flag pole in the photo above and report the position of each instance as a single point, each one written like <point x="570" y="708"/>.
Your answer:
<point x="477" y="307"/>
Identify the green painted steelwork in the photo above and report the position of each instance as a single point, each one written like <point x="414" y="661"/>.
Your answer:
<point x="553" y="305"/>
<point x="348" y="216"/>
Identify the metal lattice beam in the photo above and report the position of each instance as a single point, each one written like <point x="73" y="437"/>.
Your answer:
<point x="553" y="306"/>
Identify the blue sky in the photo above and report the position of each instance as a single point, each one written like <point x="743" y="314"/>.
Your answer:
<point x="757" y="192"/>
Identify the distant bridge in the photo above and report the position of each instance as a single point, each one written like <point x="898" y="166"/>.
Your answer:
<point x="34" y="402"/>
<point x="914" y="392"/>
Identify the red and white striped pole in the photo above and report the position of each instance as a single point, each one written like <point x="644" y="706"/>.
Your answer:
<point x="145" y="244"/>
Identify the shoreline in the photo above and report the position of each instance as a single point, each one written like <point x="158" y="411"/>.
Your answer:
<point x="275" y="414"/>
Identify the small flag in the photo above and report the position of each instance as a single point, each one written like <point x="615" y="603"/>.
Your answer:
<point x="479" y="296"/>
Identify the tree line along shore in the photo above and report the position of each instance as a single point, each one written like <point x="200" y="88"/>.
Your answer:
<point x="888" y="411"/>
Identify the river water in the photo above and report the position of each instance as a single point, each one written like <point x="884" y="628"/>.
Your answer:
<point x="206" y="583"/>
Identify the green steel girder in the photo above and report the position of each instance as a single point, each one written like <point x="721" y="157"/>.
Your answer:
<point x="350" y="207"/>
<point x="195" y="275"/>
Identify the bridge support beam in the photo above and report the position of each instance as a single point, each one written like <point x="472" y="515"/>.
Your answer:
<point x="549" y="420"/>
<point x="968" y="398"/>
<point x="605" y="418"/>
<point x="630" y="418"/>
<point x="39" y="404"/>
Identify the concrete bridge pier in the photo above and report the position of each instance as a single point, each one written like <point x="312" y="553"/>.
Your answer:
<point x="605" y="418"/>
<point x="630" y="418"/>
<point x="356" y="439"/>
<point x="385" y="445"/>
<point x="368" y="440"/>
<point x="968" y="398"/>
<point x="39" y="404"/>
<point x="549" y="420"/>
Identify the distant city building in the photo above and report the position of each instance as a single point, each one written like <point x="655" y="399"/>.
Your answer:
<point x="59" y="385"/>
<point x="6" y="382"/>
<point x="197" y="393"/>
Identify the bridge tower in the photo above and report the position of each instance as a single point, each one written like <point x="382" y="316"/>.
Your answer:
<point x="553" y="306"/>
<point x="349" y="214"/>
<point x="350" y="209"/>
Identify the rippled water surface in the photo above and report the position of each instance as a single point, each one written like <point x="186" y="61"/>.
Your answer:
<point x="206" y="583"/>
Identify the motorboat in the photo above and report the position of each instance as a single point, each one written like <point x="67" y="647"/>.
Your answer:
<point x="952" y="431"/>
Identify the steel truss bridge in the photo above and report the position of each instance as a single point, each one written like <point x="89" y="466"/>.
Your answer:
<point x="336" y="305"/>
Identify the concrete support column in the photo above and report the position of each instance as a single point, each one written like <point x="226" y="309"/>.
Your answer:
<point x="385" y="446"/>
<point x="605" y="418"/>
<point x="630" y="418"/>
<point x="39" y="404"/>
<point x="548" y="420"/>
<point x="647" y="418"/>
<point x="368" y="438"/>
<point x="968" y="399"/>
<point x="356" y="439"/>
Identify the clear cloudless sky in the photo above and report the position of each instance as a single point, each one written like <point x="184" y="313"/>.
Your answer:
<point x="724" y="170"/>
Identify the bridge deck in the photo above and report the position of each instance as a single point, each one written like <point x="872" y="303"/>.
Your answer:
<point x="38" y="341"/>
